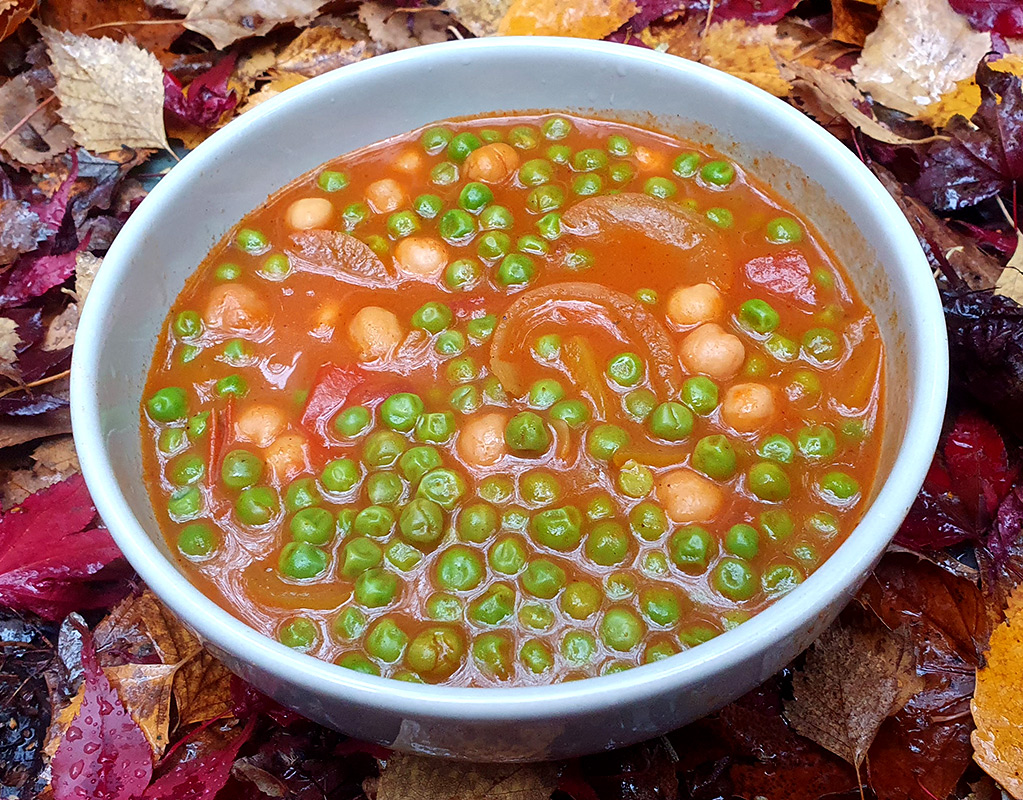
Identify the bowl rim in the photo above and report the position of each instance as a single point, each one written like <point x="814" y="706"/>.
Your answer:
<point x="783" y="618"/>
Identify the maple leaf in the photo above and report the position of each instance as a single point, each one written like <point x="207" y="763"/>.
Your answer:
<point x="202" y="777"/>
<point x="202" y="689"/>
<point x="224" y="22"/>
<point x="111" y="93"/>
<point x="854" y="677"/>
<point x="207" y="98"/>
<point x="1004" y="17"/>
<point x="103" y="754"/>
<point x="984" y="155"/>
<point x="584" y="19"/>
<point x="51" y="551"/>
<point x="409" y="777"/>
<point x="918" y="52"/>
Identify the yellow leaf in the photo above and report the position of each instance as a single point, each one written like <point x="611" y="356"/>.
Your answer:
<point x="749" y="52"/>
<point x="965" y="98"/>
<point x="224" y="22"/>
<point x="318" y="50"/>
<point x="997" y="703"/>
<point x="920" y="50"/>
<point x="583" y="19"/>
<point x="111" y="93"/>
<point x="145" y="690"/>
<point x="482" y="17"/>
<point x="278" y="84"/>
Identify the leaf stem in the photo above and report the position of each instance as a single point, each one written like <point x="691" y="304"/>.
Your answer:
<point x="41" y="382"/>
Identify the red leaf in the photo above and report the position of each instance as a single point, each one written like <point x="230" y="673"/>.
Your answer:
<point x="1004" y="242"/>
<point x="51" y="212"/>
<point x="104" y="755"/>
<point x="760" y="12"/>
<point x="937" y="517"/>
<point x="653" y="10"/>
<point x="786" y="274"/>
<point x="1001" y="16"/>
<point x="51" y="553"/>
<point x="199" y="778"/>
<point x="207" y="97"/>
<point x="978" y="465"/>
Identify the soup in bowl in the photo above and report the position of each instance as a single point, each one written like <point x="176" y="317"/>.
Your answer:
<point x="480" y="442"/>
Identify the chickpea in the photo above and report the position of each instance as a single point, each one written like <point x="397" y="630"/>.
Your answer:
<point x="375" y="332"/>
<point x="421" y="256"/>
<point x="260" y="424"/>
<point x="650" y="160"/>
<point x="688" y="497"/>
<point x="286" y="456"/>
<point x="309" y="212"/>
<point x="491" y="163"/>
<point x="748" y="406"/>
<point x="408" y="161"/>
<point x="711" y="350"/>
<point x="236" y="308"/>
<point x="688" y="305"/>
<point x="386" y="195"/>
<point x="481" y="442"/>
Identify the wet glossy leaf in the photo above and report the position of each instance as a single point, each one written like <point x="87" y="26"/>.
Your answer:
<point x="998" y="16"/>
<point x="206" y="99"/>
<point x="200" y="778"/>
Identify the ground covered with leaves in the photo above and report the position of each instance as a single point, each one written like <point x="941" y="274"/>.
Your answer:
<point x="916" y="693"/>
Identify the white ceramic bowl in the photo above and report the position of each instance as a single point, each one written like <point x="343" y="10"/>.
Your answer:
<point x="233" y="172"/>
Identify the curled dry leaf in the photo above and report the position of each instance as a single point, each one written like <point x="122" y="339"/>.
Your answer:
<point x="855" y="676"/>
<point x="481" y="17"/>
<point x="318" y="50"/>
<point x="86" y="267"/>
<point x="111" y="93"/>
<point x="852" y="21"/>
<point x="145" y="691"/>
<point x="997" y="703"/>
<point x="224" y="22"/>
<point x="584" y="19"/>
<point x="920" y="50"/>
<point x="395" y="29"/>
<point x="1010" y="282"/>
<point x="408" y="777"/>
<point x="40" y="134"/>
<point x="12" y="14"/>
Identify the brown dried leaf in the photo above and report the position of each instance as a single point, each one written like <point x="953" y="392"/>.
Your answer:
<point x="12" y="14"/>
<point x="852" y="21"/>
<point x="408" y="777"/>
<point x="18" y="430"/>
<point x="86" y="267"/>
<point x="42" y="136"/>
<point x="584" y="19"/>
<point x="318" y="50"/>
<point x="224" y="22"/>
<point x="202" y="690"/>
<point x="750" y="52"/>
<point x="394" y="29"/>
<point x="140" y="627"/>
<point x="278" y="84"/>
<point x="145" y="690"/>
<point x="9" y="340"/>
<point x="997" y="703"/>
<point x="20" y="230"/>
<point x="481" y="17"/>
<point x="111" y="93"/>
<point x="854" y="678"/>
<point x="60" y="332"/>
<point x="57" y="456"/>
<point x="920" y="50"/>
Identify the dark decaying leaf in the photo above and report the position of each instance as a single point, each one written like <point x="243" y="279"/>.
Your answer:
<point x="206" y="99"/>
<point x="53" y="557"/>
<point x="652" y="10"/>
<point x="20" y="230"/>
<point x="999" y="16"/>
<point x="642" y="772"/>
<point x="103" y="754"/>
<point x="203" y="777"/>
<point x="756" y="12"/>
<point x="1000" y="556"/>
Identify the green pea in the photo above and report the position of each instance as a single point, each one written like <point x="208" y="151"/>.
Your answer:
<point x="659" y="652"/>
<point x="559" y="154"/>
<point x="540" y="488"/>
<point x="475" y="196"/>
<point x="432" y="317"/>
<point x="578" y="648"/>
<point x="523" y="137"/>
<point x="449" y="343"/>
<point x="168" y="405"/>
<point x="188" y="470"/>
<point x="816" y="443"/>
<point x="312" y="525"/>
<point x="494" y="606"/>
<point x="558" y="528"/>
<point x="625" y="369"/>
<point x="547" y="347"/>
<point x="697" y="634"/>
<point x="443" y="607"/>
<point x="401" y="411"/>
<point x="769" y="482"/>
<point x="556" y="128"/>
<point x="655" y="564"/>
<point x="236" y="352"/>
<point x="526" y="434"/>
<point x="661" y="606"/>
<point x="619" y="146"/>
<point x="198" y="540"/>
<point x="536" y="172"/>
<point x="580" y="600"/>
<point x="607" y="544"/>
<point x="417" y="461"/>
<point x="422" y="521"/>
<point x="700" y="394"/>
<point x="780" y="579"/>
<point x="401" y="224"/>
<point x="382" y="448"/>
<point x="734" y="578"/>
<point x="251" y="241"/>
<point x="357" y="662"/>
<point x="507" y="556"/>
<point x="228" y="272"/>
<point x="600" y="507"/>
<point x="721" y="217"/>
<point x="444" y="174"/>
<point x="759" y="316"/>
<point x="640" y="403"/>
<point x="360" y="555"/>
<point x="375" y="521"/>
<point x="838" y="488"/>
<point x="661" y="188"/>
<point x="384" y="488"/>
<point x="403" y="556"/>
<point x="299" y="633"/>
<point x="340" y="475"/>
<point x="435" y="139"/>
<point x="276" y="267"/>
<point x="477" y="523"/>
<point x="232" y="386"/>
<point x="465" y="399"/>
<point x="436" y="653"/>
<point x="461" y="145"/>
<point x="545" y="393"/>
<point x="302" y="561"/>
<point x="549" y="226"/>
<point x="241" y="468"/>
<point x="543" y="578"/>
<point x="635" y="480"/>
<point x="823" y="278"/>
<point x="435" y="427"/>
<point x="648" y="521"/>
<point x="516" y="269"/>
<point x="532" y="245"/>
<point x="621" y="173"/>
<point x="621" y="630"/>
<point x="496" y="218"/>
<point x="376" y="588"/>
<point x="671" y="421"/>
<point x="536" y="617"/>
<point x="189" y="353"/>
<point x="578" y="260"/>
<point x="497" y="489"/>
<point x="755" y="366"/>
<point x="854" y="430"/>
<point x="589" y="160"/>
<point x="718" y="173"/>
<point x="493" y="245"/>
<point x="822" y="345"/>
<point x="188" y="324"/>
<point x="536" y="657"/>
<point x="544" y="199"/>
<point x="784" y="230"/>
<point x="350" y="624"/>
<point x="823" y="524"/>
<point x="777" y="524"/>
<point x="463" y="274"/>
<point x="456" y="226"/>
<point x="428" y="206"/>
<point x="353" y="421"/>
<point x="743" y="541"/>
<point x="354" y="215"/>
<point x="199" y="424"/>
<point x="572" y="412"/>
<point x="606" y="440"/>
<point x="443" y="486"/>
<point x="806" y="553"/>
<point x="620" y="586"/>
<point x="480" y="329"/>
<point x="804" y="389"/>
<point x="492" y="653"/>
<point x="386" y="641"/>
<point x="714" y="456"/>
<point x="686" y="164"/>
<point x="690" y="548"/>
<point x="345" y="521"/>
<point x="777" y="448"/>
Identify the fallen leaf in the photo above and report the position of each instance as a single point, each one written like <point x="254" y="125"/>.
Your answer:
<point x="33" y="276"/>
<point x="481" y="17"/>
<point x="965" y="98"/>
<point x="852" y="21"/>
<point x="409" y="777"/>
<point x="206" y="99"/>
<point x="18" y="430"/>
<point x="86" y="267"/>
<point x="39" y="137"/>
<point x="12" y="14"/>
<point x="224" y="22"/>
<point x="318" y="50"/>
<point x="584" y="19"/>
<point x="60" y="332"/>
<point x="20" y="230"/>
<point x="854" y="677"/>
<point x="395" y="29"/>
<point x="140" y="627"/>
<point x="200" y="778"/>
<point x="754" y="12"/>
<point x="646" y="770"/>
<point x="103" y="753"/>
<point x="202" y="689"/>
<point x="145" y="691"/>
<point x="1004" y="17"/>
<point x="920" y="50"/>
<point x="277" y="84"/>
<point x="111" y="93"/>
<point x="750" y="52"/>
<point x="9" y="342"/>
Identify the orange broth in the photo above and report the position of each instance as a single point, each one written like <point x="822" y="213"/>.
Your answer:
<point x="580" y="502"/>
